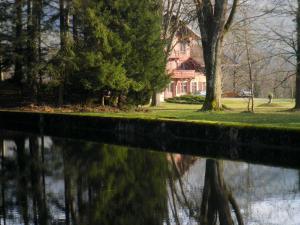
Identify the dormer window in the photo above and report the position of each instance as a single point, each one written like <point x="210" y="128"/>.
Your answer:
<point x="183" y="47"/>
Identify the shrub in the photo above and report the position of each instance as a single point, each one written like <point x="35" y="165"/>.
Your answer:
<point x="187" y="99"/>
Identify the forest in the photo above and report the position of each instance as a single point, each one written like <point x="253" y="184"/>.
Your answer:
<point x="115" y="52"/>
<point x="77" y="51"/>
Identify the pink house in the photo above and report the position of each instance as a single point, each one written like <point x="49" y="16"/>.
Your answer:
<point x="185" y="70"/>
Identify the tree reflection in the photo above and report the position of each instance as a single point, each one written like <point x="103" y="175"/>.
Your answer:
<point x="106" y="184"/>
<point x="217" y="197"/>
<point x="40" y="213"/>
<point x="3" y="186"/>
<point x="22" y="178"/>
<point x="217" y="206"/>
<point x="82" y="183"/>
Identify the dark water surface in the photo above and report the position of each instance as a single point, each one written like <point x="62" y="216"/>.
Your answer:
<point x="48" y="180"/>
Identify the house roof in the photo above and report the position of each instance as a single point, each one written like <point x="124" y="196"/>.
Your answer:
<point x="183" y="74"/>
<point x="191" y="25"/>
<point x="192" y="64"/>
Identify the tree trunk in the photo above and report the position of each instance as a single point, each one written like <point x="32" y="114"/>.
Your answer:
<point x="212" y="58"/>
<point x="214" y="24"/>
<point x="234" y="81"/>
<point x="1" y="72"/>
<point x="39" y="25"/>
<point x="155" y="100"/>
<point x="18" y="73"/>
<point x="32" y="45"/>
<point x="64" y="29"/>
<point x="297" y="92"/>
<point x="61" y="95"/>
<point x="103" y="100"/>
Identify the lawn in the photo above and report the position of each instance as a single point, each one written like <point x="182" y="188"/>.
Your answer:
<point x="274" y="115"/>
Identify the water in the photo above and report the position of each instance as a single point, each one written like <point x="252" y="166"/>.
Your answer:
<point x="48" y="180"/>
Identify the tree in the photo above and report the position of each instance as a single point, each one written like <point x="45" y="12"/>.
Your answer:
<point x="176" y="14"/>
<point x="289" y="42"/>
<point x="18" y="43"/>
<point x="100" y="52"/>
<point x="118" y="57"/>
<point x="6" y="36"/>
<point x="33" y="9"/>
<point x="84" y="49"/>
<point x="297" y="106"/>
<point x="213" y="24"/>
<point x="146" y="63"/>
<point x="65" y="46"/>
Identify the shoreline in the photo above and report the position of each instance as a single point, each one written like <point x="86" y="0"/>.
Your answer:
<point x="271" y="146"/>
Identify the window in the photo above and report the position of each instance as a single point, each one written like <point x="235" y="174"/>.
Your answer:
<point x="194" y="87"/>
<point x="178" y="88"/>
<point x="184" y="87"/>
<point x="170" y="87"/>
<point x="182" y="47"/>
<point x="200" y="86"/>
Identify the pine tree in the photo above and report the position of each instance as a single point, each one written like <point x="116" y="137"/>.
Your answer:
<point x="100" y="52"/>
<point x="146" y="63"/>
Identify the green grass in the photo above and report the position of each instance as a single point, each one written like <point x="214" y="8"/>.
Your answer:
<point x="264" y="116"/>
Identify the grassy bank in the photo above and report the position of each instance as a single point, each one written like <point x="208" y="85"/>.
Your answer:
<point x="266" y="115"/>
<point x="277" y="114"/>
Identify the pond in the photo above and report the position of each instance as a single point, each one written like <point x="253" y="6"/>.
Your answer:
<point x="47" y="180"/>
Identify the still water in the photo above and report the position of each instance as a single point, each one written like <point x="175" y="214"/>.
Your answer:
<point x="48" y="180"/>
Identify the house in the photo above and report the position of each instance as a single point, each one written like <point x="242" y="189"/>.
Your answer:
<point x="184" y="66"/>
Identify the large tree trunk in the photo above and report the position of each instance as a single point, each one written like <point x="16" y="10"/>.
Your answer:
<point x="214" y="24"/>
<point x="212" y="59"/>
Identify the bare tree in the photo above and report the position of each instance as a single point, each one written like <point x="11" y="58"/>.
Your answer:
<point x="297" y="106"/>
<point x="214" y="24"/>
<point x="289" y="43"/>
<point x="175" y="16"/>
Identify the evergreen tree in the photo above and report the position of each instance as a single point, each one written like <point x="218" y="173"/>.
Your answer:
<point x="146" y="63"/>
<point x="85" y="49"/>
<point x="100" y="52"/>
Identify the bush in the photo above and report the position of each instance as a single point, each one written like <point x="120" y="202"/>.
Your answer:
<point x="187" y="99"/>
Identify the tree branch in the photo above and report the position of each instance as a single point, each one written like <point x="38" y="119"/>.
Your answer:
<point x="231" y="16"/>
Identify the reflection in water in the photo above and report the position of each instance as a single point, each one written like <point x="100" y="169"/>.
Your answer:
<point x="54" y="181"/>
<point x="217" y="203"/>
<point x="255" y="194"/>
<point x="81" y="183"/>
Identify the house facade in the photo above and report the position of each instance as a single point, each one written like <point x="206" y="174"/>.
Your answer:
<point x="186" y="71"/>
